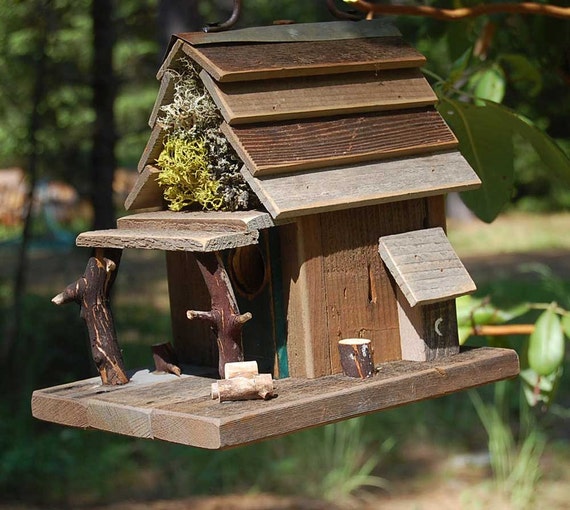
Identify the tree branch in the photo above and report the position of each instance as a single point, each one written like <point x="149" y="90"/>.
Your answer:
<point x="534" y="8"/>
<point x="91" y="292"/>
<point x="225" y="317"/>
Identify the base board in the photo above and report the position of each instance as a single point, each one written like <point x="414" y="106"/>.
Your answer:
<point x="180" y="410"/>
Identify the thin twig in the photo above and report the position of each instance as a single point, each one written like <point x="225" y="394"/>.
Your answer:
<point x="503" y="329"/>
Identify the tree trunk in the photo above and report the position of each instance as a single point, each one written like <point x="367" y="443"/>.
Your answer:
<point x="104" y="93"/>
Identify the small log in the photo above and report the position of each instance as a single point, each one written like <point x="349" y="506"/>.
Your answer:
<point x="225" y="317"/>
<point x="91" y="292"/>
<point x="243" y="388"/>
<point x="356" y="357"/>
<point x="247" y="369"/>
<point x="165" y="359"/>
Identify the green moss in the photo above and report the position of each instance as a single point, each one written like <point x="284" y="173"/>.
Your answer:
<point x="185" y="176"/>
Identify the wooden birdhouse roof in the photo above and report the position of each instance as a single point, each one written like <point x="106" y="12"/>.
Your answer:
<point x="323" y="116"/>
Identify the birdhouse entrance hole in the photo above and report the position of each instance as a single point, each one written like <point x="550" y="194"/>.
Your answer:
<point x="247" y="269"/>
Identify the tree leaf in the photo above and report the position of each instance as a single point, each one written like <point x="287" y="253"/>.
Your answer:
<point x="488" y="83"/>
<point x="546" y="344"/>
<point x="485" y="140"/>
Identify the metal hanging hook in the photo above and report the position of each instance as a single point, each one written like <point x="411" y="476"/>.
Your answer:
<point x="229" y="23"/>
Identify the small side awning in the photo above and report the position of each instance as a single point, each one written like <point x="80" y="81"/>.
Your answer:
<point x="425" y="266"/>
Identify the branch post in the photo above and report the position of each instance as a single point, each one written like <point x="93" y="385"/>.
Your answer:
<point x="225" y="318"/>
<point x="91" y="293"/>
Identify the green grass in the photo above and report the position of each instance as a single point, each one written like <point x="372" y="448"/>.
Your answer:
<point x="511" y="233"/>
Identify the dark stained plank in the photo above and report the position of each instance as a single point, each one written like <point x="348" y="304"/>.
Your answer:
<point x="165" y="96"/>
<point x="152" y="149"/>
<point x="245" y="62"/>
<point x="319" y="96"/>
<point x="293" y="146"/>
<point x="181" y="410"/>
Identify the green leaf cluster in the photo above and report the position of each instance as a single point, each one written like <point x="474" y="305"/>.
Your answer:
<point x="502" y="83"/>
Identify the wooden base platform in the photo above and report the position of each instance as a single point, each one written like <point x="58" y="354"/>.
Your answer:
<point x="180" y="410"/>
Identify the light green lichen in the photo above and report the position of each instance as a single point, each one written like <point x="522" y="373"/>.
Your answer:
<point x="198" y="166"/>
<point x="185" y="177"/>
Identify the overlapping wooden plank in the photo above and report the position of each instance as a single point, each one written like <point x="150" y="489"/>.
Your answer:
<point x="198" y="221"/>
<point x="291" y="146"/>
<point x="306" y="97"/>
<point x="297" y="32"/>
<point x="289" y="196"/>
<point x="199" y="421"/>
<point x="146" y="192"/>
<point x="165" y="96"/>
<point x="260" y="61"/>
<point x="152" y="149"/>
<point x="422" y="279"/>
<point x="173" y="59"/>
<point x="170" y="240"/>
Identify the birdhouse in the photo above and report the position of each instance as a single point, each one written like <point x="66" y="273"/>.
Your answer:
<point x="295" y="176"/>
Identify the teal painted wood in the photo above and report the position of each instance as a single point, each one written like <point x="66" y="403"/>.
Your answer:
<point x="279" y="322"/>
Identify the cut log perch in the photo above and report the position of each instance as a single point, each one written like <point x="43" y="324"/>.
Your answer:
<point x="91" y="292"/>
<point x="165" y="359"/>
<point x="356" y="357"/>
<point x="243" y="388"/>
<point x="225" y="317"/>
<point x="247" y="369"/>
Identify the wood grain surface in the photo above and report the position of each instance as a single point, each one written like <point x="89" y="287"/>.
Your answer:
<point x="290" y="146"/>
<point x="170" y="240"/>
<point x="425" y="266"/>
<point x="260" y="61"/>
<point x="180" y="410"/>
<point x="318" y="96"/>
<point x="293" y="195"/>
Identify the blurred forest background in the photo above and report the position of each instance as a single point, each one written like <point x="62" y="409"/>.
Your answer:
<point x="77" y="84"/>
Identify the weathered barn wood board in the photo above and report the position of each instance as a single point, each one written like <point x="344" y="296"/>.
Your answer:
<point x="165" y="96"/>
<point x="297" y="32"/>
<point x="425" y="266"/>
<point x="181" y="410"/>
<point x="308" y="347"/>
<point x="245" y="62"/>
<point x="169" y="240"/>
<point x="429" y="332"/>
<point x="290" y="146"/>
<point x="306" y="97"/>
<point x="152" y="149"/>
<point x="292" y="195"/>
<point x="146" y="192"/>
<point x="197" y="221"/>
<point x="336" y="285"/>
